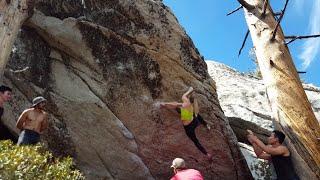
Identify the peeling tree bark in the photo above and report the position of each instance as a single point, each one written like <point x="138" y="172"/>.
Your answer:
<point x="291" y="108"/>
<point x="13" y="13"/>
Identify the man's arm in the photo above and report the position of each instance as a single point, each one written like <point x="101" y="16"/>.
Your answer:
<point x="22" y="119"/>
<point x="268" y="149"/>
<point x="259" y="152"/>
<point x="44" y="123"/>
<point x="171" y="105"/>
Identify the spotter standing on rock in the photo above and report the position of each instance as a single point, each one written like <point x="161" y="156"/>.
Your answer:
<point x="32" y="122"/>
<point x="276" y="152"/>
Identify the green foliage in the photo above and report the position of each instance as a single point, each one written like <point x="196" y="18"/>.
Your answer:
<point x="33" y="162"/>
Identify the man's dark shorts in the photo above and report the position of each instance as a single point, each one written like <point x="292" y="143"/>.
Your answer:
<point x="28" y="137"/>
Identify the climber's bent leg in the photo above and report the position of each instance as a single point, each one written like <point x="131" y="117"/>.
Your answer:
<point x="200" y="119"/>
<point x="190" y="131"/>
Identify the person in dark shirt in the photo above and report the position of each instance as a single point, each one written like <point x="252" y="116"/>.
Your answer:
<point x="275" y="151"/>
<point x="5" y="95"/>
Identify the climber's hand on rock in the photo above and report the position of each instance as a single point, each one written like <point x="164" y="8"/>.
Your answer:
<point x="250" y="139"/>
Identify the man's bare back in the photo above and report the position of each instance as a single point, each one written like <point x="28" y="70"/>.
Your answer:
<point x="33" y="119"/>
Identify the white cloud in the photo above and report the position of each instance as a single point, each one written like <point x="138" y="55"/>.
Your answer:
<point x="312" y="46"/>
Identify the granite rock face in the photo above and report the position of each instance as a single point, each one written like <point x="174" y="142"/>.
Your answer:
<point x="104" y="66"/>
<point x="243" y="95"/>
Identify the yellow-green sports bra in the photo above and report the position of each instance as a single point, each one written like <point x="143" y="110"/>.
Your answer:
<point x="186" y="115"/>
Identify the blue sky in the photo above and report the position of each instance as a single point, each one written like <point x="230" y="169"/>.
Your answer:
<point x="219" y="37"/>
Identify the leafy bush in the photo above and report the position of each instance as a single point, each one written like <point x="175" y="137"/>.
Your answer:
<point x="33" y="162"/>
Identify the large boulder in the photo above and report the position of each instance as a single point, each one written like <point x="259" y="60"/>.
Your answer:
<point x="242" y="95"/>
<point x="104" y="66"/>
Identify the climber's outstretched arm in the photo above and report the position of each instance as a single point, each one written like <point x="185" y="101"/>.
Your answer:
<point x="171" y="105"/>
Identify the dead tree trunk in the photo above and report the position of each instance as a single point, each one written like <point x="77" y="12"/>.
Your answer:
<point x="290" y="106"/>
<point x="12" y="15"/>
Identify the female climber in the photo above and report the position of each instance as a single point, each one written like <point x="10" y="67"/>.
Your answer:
<point x="189" y="115"/>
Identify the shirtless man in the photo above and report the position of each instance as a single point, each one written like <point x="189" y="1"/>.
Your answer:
<point x="32" y="122"/>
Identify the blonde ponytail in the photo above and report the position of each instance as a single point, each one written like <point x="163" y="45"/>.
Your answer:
<point x="195" y="107"/>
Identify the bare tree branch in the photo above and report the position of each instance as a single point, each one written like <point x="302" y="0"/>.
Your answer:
<point x="277" y="14"/>
<point x="265" y="5"/>
<point x="293" y="38"/>
<point x="302" y="72"/>
<point x="302" y="37"/>
<point x="243" y="43"/>
<point x="240" y="7"/>
<point x="279" y="20"/>
<point x="246" y="5"/>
